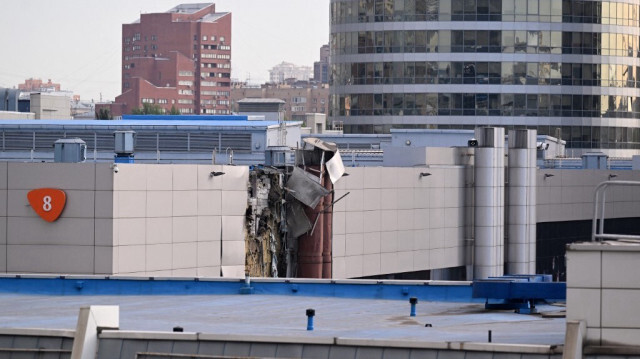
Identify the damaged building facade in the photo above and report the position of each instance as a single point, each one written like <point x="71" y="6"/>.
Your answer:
<point x="273" y="204"/>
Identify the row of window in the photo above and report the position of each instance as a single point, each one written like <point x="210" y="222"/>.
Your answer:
<point x="213" y="111"/>
<point x="205" y="38"/>
<point x="215" y="93"/>
<point x="164" y="101"/>
<point x="213" y="74"/>
<point x="479" y="72"/>
<point x="576" y="136"/>
<point x="568" y="11"/>
<point x="216" y="56"/>
<point x="483" y="104"/>
<point x="492" y="41"/>
<point x="214" y="65"/>
<point x="137" y="37"/>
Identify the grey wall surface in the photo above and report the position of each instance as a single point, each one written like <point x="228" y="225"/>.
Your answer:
<point x="395" y="221"/>
<point x="76" y="242"/>
<point x="169" y="220"/>
<point x="17" y="345"/>
<point x="568" y="195"/>
<point x="150" y="220"/>
<point x="603" y="283"/>
<point x="128" y="348"/>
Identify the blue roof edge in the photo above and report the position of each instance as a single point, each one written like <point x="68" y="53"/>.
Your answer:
<point x="363" y="289"/>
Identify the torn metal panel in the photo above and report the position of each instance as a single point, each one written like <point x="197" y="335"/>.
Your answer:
<point x="305" y="187"/>
<point x="297" y="221"/>
<point x="335" y="167"/>
<point x="323" y="145"/>
<point x="334" y="164"/>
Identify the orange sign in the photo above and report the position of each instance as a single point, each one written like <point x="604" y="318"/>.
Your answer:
<point x="47" y="202"/>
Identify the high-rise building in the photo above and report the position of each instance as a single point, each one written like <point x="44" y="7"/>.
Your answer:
<point x="178" y="59"/>
<point x="287" y="71"/>
<point x="566" y="68"/>
<point x="321" y="68"/>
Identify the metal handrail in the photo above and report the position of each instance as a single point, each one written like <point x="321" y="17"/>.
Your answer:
<point x="601" y="188"/>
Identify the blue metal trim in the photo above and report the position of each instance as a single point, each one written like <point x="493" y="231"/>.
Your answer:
<point x="89" y="287"/>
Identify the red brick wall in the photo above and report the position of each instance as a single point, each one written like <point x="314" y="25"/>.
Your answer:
<point x="169" y="43"/>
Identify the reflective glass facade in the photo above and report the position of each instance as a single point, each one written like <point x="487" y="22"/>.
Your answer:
<point x="569" y="68"/>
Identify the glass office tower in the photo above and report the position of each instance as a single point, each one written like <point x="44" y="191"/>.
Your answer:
<point x="566" y="68"/>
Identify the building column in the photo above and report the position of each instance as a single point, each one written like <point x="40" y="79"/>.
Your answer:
<point x="521" y="244"/>
<point x="489" y="203"/>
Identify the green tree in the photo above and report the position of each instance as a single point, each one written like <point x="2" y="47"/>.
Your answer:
<point x="148" y="109"/>
<point x="104" y="114"/>
<point x="174" y="110"/>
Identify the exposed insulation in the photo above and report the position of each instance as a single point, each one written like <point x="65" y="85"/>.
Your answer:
<point x="265" y="252"/>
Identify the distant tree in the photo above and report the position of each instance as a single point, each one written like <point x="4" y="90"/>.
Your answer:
<point x="174" y="110"/>
<point x="148" y="109"/>
<point x="104" y="114"/>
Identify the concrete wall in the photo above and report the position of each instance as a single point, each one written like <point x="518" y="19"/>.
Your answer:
<point x="71" y="244"/>
<point x="13" y="115"/>
<point x="151" y="220"/>
<point x="394" y="221"/>
<point x="603" y="287"/>
<point x="568" y="195"/>
<point x="50" y="107"/>
<point x="169" y="220"/>
<point x="130" y="345"/>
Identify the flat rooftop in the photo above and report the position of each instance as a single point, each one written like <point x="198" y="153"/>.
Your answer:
<point x="212" y="307"/>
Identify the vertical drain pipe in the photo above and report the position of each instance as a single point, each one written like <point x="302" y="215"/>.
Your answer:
<point x="311" y="243"/>
<point x="489" y="203"/>
<point x="328" y="229"/>
<point x="521" y="249"/>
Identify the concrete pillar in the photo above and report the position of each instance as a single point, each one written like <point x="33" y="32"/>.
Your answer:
<point x="521" y="222"/>
<point x="90" y="320"/>
<point x="489" y="203"/>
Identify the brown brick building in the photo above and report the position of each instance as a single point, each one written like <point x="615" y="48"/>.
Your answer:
<point x="177" y="59"/>
<point x="300" y="98"/>
<point x="38" y="85"/>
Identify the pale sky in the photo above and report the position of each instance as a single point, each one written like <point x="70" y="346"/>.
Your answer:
<point x="77" y="43"/>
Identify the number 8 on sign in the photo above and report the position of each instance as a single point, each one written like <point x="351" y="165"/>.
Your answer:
<point x="46" y="203"/>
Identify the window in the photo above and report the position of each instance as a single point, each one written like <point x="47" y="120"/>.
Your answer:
<point x="186" y="110"/>
<point x="163" y="101"/>
<point x="204" y="37"/>
<point x="225" y="47"/>
<point x="154" y="38"/>
<point x="298" y="100"/>
<point x="185" y="92"/>
<point x="147" y="100"/>
<point x="213" y="37"/>
<point x="136" y="47"/>
<point x="223" y="102"/>
<point x="185" y="83"/>
<point x="221" y="38"/>
<point x="185" y="73"/>
<point x="136" y="37"/>
<point x="185" y="101"/>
